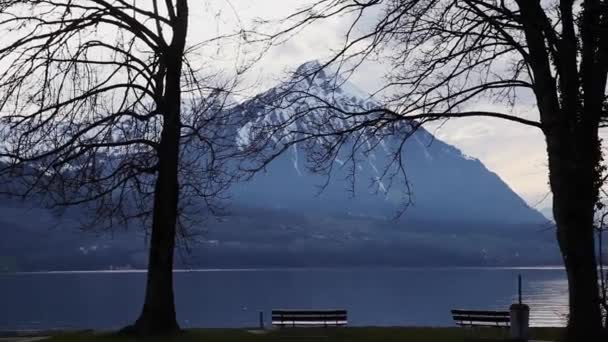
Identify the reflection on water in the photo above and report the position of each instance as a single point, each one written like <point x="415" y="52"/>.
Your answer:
<point x="233" y="298"/>
<point x="548" y="301"/>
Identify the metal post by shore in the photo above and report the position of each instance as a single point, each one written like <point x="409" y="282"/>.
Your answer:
<point x="520" y="317"/>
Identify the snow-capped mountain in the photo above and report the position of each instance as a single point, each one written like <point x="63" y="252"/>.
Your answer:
<point x="444" y="185"/>
<point x="461" y="213"/>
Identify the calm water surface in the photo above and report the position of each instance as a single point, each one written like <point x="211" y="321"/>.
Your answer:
<point x="233" y="298"/>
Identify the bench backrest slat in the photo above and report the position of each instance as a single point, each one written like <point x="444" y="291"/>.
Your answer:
<point x="309" y="312"/>
<point x="481" y="313"/>
<point x="308" y="318"/>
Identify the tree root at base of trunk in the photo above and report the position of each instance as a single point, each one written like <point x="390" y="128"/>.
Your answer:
<point x="146" y="328"/>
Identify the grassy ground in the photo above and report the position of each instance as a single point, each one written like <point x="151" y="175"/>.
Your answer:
<point x="344" y="334"/>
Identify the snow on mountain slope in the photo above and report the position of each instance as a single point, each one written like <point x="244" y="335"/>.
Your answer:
<point x="444" y="184"/>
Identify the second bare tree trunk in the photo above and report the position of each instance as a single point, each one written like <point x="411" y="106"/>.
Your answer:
<point x="572" y="164"/>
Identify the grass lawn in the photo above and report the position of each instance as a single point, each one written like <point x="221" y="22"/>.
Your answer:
<point x="343" y="334"/>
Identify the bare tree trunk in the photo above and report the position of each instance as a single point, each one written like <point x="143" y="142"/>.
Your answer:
<point x="576" y="244"/>
<point x="158" y="316"/>
<point x="572" y="174"/>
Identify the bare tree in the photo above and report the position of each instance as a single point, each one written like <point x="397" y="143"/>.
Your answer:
<point x="101" y="108"/>
<point x="446" y="55"/>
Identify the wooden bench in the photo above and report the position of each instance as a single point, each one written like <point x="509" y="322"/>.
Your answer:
<point x="477" y="318"/>
<point x="309" y="318"/>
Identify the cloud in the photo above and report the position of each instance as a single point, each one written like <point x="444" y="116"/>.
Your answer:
<point x="517" y="153"/>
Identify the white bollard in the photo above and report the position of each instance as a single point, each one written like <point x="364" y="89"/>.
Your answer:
<point x="520" y="322"/>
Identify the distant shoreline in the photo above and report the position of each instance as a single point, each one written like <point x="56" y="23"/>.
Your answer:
<point x="279" y="269"/>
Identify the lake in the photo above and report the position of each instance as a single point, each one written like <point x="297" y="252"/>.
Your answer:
<point x="233" y="298"/>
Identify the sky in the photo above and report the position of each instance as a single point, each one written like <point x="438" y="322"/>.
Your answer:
<point x="515" y="152"/>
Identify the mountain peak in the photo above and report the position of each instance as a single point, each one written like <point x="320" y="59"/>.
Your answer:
<point x="330" y="82"/>
<point x="309" y="68"/>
